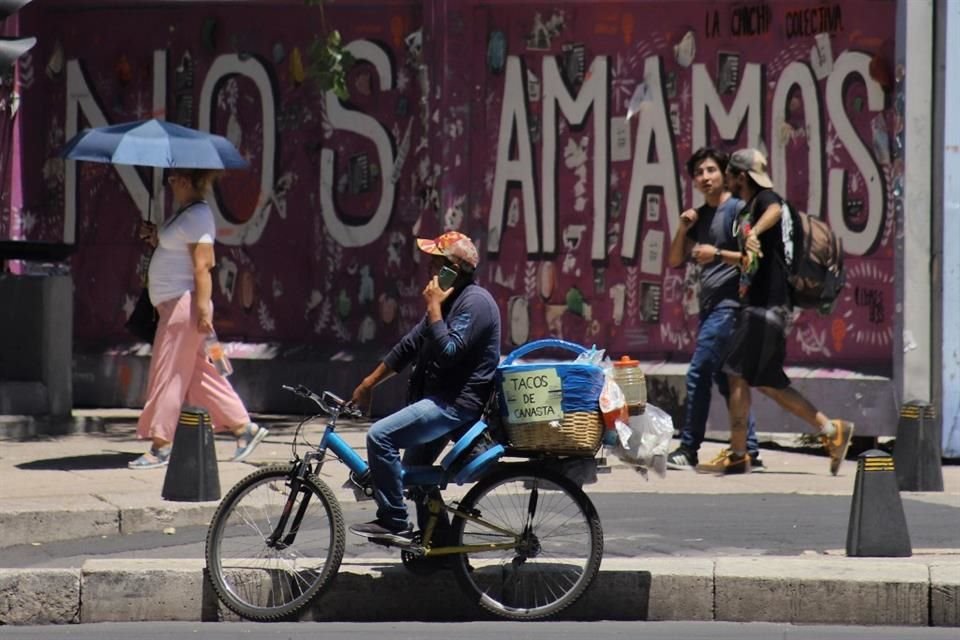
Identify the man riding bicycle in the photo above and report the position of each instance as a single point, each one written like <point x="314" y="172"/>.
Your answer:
<point x="455" y="350"/>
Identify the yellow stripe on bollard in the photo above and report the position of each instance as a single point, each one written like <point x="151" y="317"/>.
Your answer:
<point x="191" y="419"/>
<point x="878" y="464"/>
<point x="910" y="411"/>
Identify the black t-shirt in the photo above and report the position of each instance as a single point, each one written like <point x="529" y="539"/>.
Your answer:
<point x="718" y="280"/>
<point x="768" y="287"/>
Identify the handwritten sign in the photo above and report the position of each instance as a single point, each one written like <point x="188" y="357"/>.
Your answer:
<point x="533" y="396"/>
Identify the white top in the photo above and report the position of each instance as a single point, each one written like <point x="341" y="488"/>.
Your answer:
<point x="171" y="267"/>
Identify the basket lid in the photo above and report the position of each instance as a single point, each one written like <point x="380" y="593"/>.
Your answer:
<point x="626" y="361"/>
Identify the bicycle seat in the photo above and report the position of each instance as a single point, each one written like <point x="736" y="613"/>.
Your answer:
<point x="477" y="465"/>
<point x="471" y="454"/>
<point x="461" y="446"/>
<point x="469" y="457"/>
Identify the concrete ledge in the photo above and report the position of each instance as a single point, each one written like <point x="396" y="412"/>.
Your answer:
<point x="39" y="596"/>
<point x="139" y="590"/>
<point x="659" y="588"/>
<point x="945" y="594"/>
<point x="773" y="589"/>
<point x="24" y="521"/>
<point x="139" y="519"/>
<point x="854" y="591"/>
<point x="625" y="589"/>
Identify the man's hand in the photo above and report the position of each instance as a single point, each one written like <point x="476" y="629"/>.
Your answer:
<point x="361" y="396"/>
<point x="705" y="253"/>
<point x="434" y="296"/>
<point x="752" y="243"/>
<point x="688" y="218"/>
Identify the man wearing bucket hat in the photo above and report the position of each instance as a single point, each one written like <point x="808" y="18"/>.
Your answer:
<point x="454" y="350"/>
<point x="758" y="348"/>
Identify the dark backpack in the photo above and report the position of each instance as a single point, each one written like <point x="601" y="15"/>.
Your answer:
<point x="815" y="264"/>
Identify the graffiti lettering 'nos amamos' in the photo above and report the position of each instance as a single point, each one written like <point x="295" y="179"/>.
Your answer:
<point x="558" y="143"/>
<point x="653" y="131"/>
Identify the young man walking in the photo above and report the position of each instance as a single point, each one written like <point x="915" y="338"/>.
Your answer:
<point x="759" y="345"/>
<point x="706" y="236"/>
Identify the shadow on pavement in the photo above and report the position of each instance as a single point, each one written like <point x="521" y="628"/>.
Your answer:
<point x="113" y="460"/>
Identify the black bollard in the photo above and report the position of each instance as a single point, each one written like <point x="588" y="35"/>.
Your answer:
<point x="192" y="474"/>
<point x="917" y="450"/>
<point x="877" y="527"/>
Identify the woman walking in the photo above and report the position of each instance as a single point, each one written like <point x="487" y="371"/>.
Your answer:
<point x="180" y="287"/>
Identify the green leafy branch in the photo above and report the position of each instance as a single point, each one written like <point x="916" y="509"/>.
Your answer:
<point x="327" y="61"/>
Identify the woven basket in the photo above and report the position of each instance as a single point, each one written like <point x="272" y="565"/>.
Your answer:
<point x="579" y="433"/>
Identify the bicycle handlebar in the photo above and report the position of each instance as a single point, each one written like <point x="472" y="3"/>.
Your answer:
<point x="329" y="402"/>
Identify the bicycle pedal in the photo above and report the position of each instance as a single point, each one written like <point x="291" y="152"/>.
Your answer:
<point x="410" y="546"/>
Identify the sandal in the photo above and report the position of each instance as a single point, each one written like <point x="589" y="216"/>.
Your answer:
<point x="252" y="436"/>
<point x="153" y="459"/>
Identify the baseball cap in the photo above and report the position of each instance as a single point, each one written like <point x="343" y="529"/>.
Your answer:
<point x="754" y="163"/>
<point x="453" y="245"/>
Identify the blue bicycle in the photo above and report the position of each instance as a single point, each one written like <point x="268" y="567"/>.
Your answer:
<point x="524" y="542"/>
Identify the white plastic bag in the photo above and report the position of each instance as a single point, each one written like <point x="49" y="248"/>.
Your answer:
<point x="613" y="404"/>
<point x="591" y="356"/>
<point x="644" y="439"/>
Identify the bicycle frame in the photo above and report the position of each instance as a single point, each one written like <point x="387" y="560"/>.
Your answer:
<point x="335" y="443"/>
<point x="524" y="540"/>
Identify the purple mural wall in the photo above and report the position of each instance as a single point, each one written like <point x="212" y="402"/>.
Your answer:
<point x="555" y="134"/>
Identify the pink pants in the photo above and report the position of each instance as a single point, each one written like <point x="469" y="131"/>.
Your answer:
<point x="181" y="374"/>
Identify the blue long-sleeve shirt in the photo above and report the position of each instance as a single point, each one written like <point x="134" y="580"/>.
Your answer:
<point x="454" y="358"/>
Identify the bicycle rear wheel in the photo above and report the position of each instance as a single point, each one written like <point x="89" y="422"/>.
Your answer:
<point x="263" y="580"/>
<point x="558" y="542"/>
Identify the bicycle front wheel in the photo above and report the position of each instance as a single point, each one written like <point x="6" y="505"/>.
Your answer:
<point x="260" y="572"/>
<point x="552" y="535"/>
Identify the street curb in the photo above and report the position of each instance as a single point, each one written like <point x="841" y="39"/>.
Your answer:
<point x="843" y="591"/>
<point x="94" y="516"/>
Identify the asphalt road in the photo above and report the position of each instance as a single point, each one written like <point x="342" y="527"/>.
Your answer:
<point x="471" y="631"/>
<point x="634" y="524"/>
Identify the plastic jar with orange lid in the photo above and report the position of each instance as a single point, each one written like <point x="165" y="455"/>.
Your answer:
<point x="629" y="376"/>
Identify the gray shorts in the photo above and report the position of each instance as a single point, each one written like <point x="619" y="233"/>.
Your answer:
<point x="758" y="347"/>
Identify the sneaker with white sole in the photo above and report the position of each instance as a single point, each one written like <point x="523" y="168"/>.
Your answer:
<point x="252" y="435"/>
<point x="377" y="531"/>
<point x="682" y="459"/>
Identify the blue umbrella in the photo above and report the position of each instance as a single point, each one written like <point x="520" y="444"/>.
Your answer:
<point x="154" y="143"/>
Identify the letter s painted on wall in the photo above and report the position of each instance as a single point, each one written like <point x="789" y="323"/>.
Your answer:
<point x="861" y="242"/>
<point x="360" y="123"/>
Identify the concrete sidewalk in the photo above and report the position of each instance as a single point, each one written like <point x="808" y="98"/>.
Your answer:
<point x="78" y="485"/>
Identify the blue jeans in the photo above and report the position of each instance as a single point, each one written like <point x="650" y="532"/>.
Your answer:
<point x="706" y="366"/>
<point x="421" y="429"/>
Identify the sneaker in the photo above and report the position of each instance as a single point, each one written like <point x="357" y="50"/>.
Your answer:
<point x="682" y="459"/>
<point x="726" y="463"/>
<point x="379" y="532"/>
<point x="756" y="464"/>
<point x="838" y="444"/>
<point x="252" y="436"/>
<point x="153" y="459"/>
